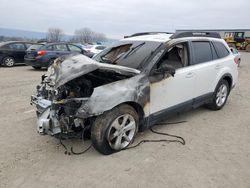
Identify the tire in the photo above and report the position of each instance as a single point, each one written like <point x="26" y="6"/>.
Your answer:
<point x="220" y="96"/>
<point x="114" y="130"/>
<point x="37" y="68"/>
<point x="9" y="61"/>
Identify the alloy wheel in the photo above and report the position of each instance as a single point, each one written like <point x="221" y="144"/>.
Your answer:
<point x="221" y="95"/>
<point x="9" y="62"/>
<point x="121" y="132"/>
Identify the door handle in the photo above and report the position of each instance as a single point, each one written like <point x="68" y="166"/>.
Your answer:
<point x="189" y="75"/>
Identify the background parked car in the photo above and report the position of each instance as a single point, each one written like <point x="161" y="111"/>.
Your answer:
<point x="43" y="55"/>
<point x="237" y="55"/>
<point x="94" y="49"/>
<point x="13" y="52"/>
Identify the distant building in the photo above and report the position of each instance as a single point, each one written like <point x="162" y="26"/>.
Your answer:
<point x="225" y="32"/>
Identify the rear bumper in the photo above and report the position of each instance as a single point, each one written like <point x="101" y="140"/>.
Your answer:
<point x="39" y="62"/>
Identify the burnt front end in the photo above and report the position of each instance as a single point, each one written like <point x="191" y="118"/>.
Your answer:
<point x="76" y="90"/>
<point x="56" y="108"/>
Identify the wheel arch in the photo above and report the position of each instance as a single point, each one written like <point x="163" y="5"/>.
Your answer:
<point x="228" y="77"/>
<point x="139" y="109"/>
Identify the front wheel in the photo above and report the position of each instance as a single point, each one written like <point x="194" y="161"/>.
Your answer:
<point x="9" y="62"/>
<point x="220" y="95"/>
<point x="114" y="130"/>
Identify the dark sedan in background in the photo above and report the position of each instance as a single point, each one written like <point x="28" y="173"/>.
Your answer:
<point x="13" y="52"/>
<point x="43" y="55"/>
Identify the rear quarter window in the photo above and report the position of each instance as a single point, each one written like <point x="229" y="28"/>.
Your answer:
<point x="17" y="46"/>
<point x="221" y="49"/>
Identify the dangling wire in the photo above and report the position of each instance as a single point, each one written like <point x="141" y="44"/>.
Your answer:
<point x="181" y="139"/>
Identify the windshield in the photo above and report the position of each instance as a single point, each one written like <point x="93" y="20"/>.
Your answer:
<point x="35" y="47"/>
<point x="127" y="53"/>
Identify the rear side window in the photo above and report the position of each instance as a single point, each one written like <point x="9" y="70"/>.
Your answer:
<point x="220" y="49"/>
<point x="60" y="47"/>
<point x="17" y="46"/>
<point x="201" y="52"/>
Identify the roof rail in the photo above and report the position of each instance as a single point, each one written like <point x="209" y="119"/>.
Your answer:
<point x="146" y="33"/>
<point x="182" y="34"/>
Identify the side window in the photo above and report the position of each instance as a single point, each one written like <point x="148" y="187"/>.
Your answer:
<point x="50" y="48"/>
<point x="220" y="49"/>
<point x="176" y="57"/>
<point x="60" y="47"/>
<point x="74" y="48"/>
<point x="201" y="52"/>
<point x="17" y="46"/>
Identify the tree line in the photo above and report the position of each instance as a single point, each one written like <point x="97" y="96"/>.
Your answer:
<point x="83" y="36"/>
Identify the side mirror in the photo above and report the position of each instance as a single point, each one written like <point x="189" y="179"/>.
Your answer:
<point x="161" y="72"/>
<point x="167" y="69"/>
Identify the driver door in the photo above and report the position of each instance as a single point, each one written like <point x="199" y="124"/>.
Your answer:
<point x="172" y="93"/>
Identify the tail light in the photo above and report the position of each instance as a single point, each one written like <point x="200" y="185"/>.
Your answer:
<point x="236" y="60"/>
<point x="41" y="53"/>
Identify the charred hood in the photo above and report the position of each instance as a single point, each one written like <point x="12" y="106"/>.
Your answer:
<point x="68" y="68"/>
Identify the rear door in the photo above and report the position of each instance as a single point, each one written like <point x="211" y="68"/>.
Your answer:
<point x="17" y="50"/>
<point x="60" y="49"/>
<point x="205" y="66"/>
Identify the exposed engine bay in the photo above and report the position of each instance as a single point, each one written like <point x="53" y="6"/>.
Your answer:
<point x="68" y="94"/>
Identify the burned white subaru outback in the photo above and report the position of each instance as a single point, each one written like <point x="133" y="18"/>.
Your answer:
<point x="133" y="84"/>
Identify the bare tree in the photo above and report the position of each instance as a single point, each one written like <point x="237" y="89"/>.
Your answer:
<point x="86" y="35"/>
<point x="99" y="37"/>
<point x="54" y="34"/>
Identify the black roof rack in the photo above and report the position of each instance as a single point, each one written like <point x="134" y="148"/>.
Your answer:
<point x="182" y="34"/>
<point x="146" y="33"/>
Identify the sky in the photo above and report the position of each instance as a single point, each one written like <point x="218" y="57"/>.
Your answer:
<point x="117" y="18"/>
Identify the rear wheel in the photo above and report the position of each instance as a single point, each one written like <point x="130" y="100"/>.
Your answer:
<point x="9" y="62"/>
<point x="220" y="95"/>
<point x="114" y="130"/>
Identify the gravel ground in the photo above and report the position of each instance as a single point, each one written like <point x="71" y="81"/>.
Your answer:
<point x="216" y="154"/>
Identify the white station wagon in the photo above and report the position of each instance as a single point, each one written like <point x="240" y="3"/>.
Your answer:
<point x="134" y="84"/>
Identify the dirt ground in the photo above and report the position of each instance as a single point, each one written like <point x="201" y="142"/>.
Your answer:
<point x="216" y="154"/>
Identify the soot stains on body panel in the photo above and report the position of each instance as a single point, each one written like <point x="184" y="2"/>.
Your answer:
<point x="135" y="89"/>
<point x="68" y="68"/>
<point x="78" y="88"/>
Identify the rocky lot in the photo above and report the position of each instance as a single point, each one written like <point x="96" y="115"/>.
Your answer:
<point x="216" y="154"/>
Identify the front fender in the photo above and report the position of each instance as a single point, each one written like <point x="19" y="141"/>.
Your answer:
<point x="104" y="98"/>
